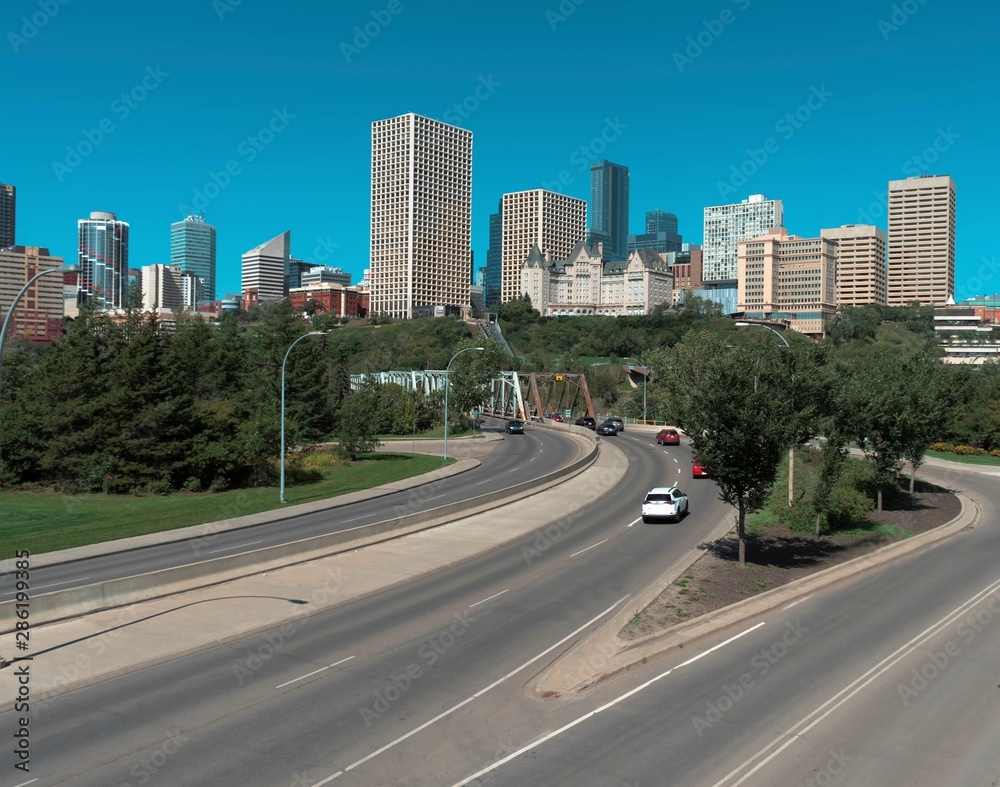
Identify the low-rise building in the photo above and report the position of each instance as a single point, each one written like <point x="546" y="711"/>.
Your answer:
<point x="331" y="297"/>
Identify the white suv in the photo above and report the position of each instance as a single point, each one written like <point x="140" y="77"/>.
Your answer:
<point x="664" y="502"/>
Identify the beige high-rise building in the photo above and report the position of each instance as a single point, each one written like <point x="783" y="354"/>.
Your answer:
<point x="921" y="241"/>
<point x="785" y="277"/>
<point x="861" y="271"/>
<point x="421" y="217"/>
<point x="264" y="272"/>
<point x="553" y="222"/>
<point x="162" y="287"/>
<point x="38" y="316"/>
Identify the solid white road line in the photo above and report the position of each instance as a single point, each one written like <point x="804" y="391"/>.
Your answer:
<point x="588" y="548"/>
<point x="238" y="546"/>
<point x="488" y="599"/>
<point x="625" y="696"/>
<point x="314" y="672"/>
<point x="838" y="699"/>
<point x="475" y="696"/>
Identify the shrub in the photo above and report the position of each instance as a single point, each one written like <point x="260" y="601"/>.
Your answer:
<point x="193" y="484"/>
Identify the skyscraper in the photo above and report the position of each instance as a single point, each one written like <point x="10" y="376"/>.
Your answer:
<point x="921" y="241"/>
<point x="609" y="189"/>
<point x="861" y="271"/>
<point x="8" y="203"/>
<point x="265" y="269"/>
<point x="727" y="225"/>
<point x="661" y="234"/>
<point x="553" y="222"/>
<point x="192" y="248"/>
<point x="494" y="259"/>
<point x="421" y="217"/>
<point x="103" y="259"/>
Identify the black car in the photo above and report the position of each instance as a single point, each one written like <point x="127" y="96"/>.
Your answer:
<point x="587" y="421"/>
<point x="606" y="429"/>
<point x="618" y="423"/>
<point x="514" y="427"/>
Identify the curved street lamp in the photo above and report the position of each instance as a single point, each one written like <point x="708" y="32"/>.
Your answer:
<point x="303" y="336"/>
<point x="447" y="385"/>
<point x="13" y="304"/>
<point x="791" y="449"/>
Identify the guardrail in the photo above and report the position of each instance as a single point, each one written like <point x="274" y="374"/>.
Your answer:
<point x="63" y="604"/>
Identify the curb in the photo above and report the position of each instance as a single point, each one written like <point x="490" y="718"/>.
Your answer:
<point x="603" y="654"/>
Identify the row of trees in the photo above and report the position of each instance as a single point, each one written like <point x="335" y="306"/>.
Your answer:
<point x="125" y="406"/>
<point x="744" y="399"/>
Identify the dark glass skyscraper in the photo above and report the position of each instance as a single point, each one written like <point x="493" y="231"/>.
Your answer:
<point x="609" y="188"/>
<point x="494" y="259"/>
<point x="103" y="259"/>
<point x="661" y="233"/>
<point x="8" y="202"/>
<point x="192" y="249"/>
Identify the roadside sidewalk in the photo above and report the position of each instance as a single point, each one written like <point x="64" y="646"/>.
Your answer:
<point x="75" y="653"/>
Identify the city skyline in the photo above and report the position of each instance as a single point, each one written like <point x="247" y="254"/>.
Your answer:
<point x="141" y="131"/>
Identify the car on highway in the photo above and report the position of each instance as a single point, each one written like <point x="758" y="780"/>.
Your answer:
<point x="587" y="421"/>
<point x="618" y="422"/>
<point x="699" y="470"/>
<point x="607" y="429"/>
<point x="557" y="418"/>
<point x="514" y="427"/>
<point x="664" y="502"/>
<point x="668" y="437"/>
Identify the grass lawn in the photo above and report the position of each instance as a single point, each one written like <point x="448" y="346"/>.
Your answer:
<point x="47" y="521"/>
<point x="969" y="459"/>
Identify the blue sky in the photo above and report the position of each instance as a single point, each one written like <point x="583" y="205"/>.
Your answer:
<point x="260" y="112"/>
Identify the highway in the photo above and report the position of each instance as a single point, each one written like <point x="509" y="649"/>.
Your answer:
<point x="362" y="688"/>
<point x="512" y="461"/>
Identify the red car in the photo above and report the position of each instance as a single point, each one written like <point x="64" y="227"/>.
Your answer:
<point x="699" y="471"/>
<point x="557" y="418"/>
<point x="668" y="437"/>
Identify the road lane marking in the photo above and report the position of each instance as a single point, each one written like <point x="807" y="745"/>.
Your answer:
<point x="590" y="547"/>
<point x="488" y="599"/>
<point x="314" y="672"/>
<point x="534" y="744"/>
<point x="475" y="696"/>
<point x="237" y="546"/>
<point x="857" y="685"/>
<point x="634" y="521"/>
<point x="484" y="482"/>
<point x="433" y="498"/>
<point x="797" y="601"/>
<point x="355" y="519"/>
<point x="50" y="585"/>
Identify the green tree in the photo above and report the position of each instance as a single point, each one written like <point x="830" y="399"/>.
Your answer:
<point x="736" y="406"/>
<point x="356" y="421"/>
<point x="473" y="372"/>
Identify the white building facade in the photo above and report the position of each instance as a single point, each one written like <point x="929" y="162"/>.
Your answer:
<point x="587" y="284"/>
<point x="727" y="225"/>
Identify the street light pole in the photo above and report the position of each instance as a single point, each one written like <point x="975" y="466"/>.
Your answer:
<point x="303" y="336"/>
<point x="13" y="304"/>
<point x="447" y="385"/>
<point x="791" y="449"/>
